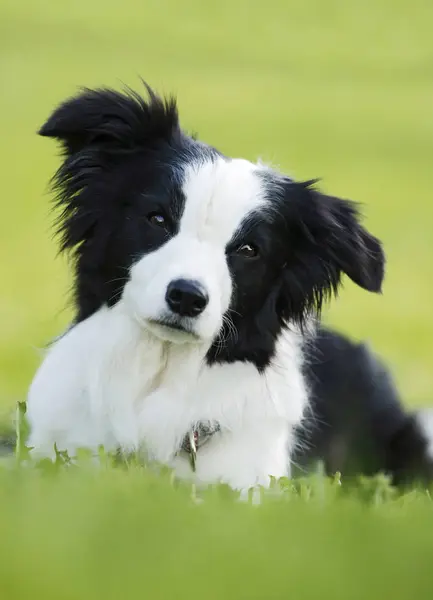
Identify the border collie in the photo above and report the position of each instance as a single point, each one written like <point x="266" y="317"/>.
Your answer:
<point x="199" y="280"/>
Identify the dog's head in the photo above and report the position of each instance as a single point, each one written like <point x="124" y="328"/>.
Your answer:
<point x="197" y="246"/>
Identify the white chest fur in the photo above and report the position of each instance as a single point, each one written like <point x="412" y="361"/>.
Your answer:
<point x="107" y="382"/>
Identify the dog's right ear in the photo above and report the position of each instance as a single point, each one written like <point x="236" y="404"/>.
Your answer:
<point x="111" y="120"/>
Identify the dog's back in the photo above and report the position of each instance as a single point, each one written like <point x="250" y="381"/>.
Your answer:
<point x="356" y="422"/>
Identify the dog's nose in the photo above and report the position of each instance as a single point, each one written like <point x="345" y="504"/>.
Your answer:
<point x="186" y="298"/>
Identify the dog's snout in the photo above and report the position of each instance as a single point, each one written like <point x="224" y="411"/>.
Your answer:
<point x="186" y="298"/>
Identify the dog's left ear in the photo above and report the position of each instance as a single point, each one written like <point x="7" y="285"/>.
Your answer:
<point x="345" y="242"/>
<point x="325" y="239"/>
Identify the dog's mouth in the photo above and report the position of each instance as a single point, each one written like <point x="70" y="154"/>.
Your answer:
<point x="173" y="331"/>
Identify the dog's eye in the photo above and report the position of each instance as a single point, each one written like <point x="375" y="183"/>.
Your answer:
<point x="158" y="220"/>
<point x="247" y="251"/>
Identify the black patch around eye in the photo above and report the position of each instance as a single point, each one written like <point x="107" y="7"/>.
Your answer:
<point x="124" y="158"/>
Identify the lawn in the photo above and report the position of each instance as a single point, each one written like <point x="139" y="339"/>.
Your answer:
<point x="131" y="534"/>
<point x="337" y="89"/>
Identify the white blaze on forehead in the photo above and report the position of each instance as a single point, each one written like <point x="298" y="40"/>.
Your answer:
<point x="218" y="197"/>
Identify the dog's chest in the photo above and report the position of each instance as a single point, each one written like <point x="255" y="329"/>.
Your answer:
<point x="156" y="402"/>
<point x="150" y="394"/>
<point x="199" y="398"/>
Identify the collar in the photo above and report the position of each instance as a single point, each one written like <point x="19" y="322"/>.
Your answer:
<point x="196" y="437"/>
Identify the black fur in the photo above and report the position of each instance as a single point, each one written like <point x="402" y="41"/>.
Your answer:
<point x="357" y="423"/>
<point x="121" y="157"/>
<point x="307" y="242"/>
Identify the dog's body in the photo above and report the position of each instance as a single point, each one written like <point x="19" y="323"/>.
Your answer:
<point x="198" y="282"/>
<point x="356" y="422"/>
<point x="108" y="382"/>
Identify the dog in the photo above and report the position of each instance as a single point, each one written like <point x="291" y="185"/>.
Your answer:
<point x="198" y="286"/>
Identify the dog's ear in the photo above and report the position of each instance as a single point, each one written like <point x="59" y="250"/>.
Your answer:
<point x="98" y="128"/>
<point x="343" y="241"/>
<point x="111" y="120"/>
<point x="325" y="239"/>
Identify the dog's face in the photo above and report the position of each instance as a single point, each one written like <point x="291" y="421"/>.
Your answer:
<point x="198" y="247"/>
<point x="182" y="289"/>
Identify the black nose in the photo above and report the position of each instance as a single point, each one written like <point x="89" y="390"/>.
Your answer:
<point x="186" y="298"/>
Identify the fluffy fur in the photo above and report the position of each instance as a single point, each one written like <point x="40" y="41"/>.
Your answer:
<point x="198" y="280"/>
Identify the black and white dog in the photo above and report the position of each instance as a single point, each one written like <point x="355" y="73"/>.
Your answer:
<point x="198" y="283"/>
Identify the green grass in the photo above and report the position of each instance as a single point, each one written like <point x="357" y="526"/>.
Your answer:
<point x="75" y="531"/>
<point x="340" y="89"/>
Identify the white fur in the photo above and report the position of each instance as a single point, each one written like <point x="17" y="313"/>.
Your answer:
<point x="116" y="380"/>
<point x="424" y="419"/>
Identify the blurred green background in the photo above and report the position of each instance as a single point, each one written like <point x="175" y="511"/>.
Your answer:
<point x="336" y="89"/>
